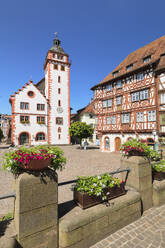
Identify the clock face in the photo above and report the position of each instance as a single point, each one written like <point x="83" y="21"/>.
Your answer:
<point x="59" y="110"/>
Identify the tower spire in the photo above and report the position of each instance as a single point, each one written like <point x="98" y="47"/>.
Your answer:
<point x="56" y="41"/>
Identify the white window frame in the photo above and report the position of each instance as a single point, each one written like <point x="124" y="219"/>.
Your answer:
<point x="135" y="96"/>
<point x="125" y="118"/>
<point x="108" y="120"/>
<point x="104" y="103"/>
<point x="118" y="100"/>
<point x="108" y="87"/>
<point x="162" y="98"/>
<point x="139" y="117"/>
<point x="152" y="115"/>
<point x="113" y="119"/>
<point x="144" y="94"/>
<point x="109" y="103"/>
<point x="118" y="84"/>
<point x="140" y="76"/>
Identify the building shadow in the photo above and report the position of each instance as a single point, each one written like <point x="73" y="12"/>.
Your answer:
<point x="65" y="207"/>
<point x="3" y="226"/>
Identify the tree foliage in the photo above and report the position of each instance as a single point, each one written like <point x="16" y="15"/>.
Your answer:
<point x="80" y="130"/>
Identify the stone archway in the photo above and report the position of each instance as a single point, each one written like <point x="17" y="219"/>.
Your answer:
<point x="24" y="138"/>
<point x="117" y="144"/>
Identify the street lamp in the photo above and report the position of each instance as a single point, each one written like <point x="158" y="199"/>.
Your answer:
<point x="154" y="132"/>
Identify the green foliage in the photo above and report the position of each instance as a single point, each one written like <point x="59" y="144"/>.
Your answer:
<point x="96" y="185"/>
<point x="80" y="130"/>
<point x="133" y="145"/>
<point x="13" y="158"/>
<point x="1" y="134"/>
<point x="159" y="166"/>
<point x="8" y="216"/>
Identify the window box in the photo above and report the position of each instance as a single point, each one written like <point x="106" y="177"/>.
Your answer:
<point x="158" y="170"/>
<point x="25" y="122"/>
<point x="41" y="122"/>
<point x="92" y="190"/>
<point x="159" y="176"/>
<point x="84" y="200"/>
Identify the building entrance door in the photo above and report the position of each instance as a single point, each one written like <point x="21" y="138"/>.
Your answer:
<point x="117" y="144"/>
<point x="24" y="138"/>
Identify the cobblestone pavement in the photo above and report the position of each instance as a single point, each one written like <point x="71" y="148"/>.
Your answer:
<point x="79" y="163"/>
<point x="147" y="232"/>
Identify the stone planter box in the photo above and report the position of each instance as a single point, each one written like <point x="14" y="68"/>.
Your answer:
<point x="36" y="165"/>
<point x="85" y="201"/>
<point x="158" y="175"/>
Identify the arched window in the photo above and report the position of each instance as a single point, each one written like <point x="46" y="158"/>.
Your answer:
<point x="106" y="143"/>
<point x="40" y="136"/>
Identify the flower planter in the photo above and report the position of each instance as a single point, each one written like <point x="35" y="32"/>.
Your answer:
<point x="136" y="153"/>
<point x="36" y="165"/>
<point x="85" y="201"/>
<point x="158" y="175"/>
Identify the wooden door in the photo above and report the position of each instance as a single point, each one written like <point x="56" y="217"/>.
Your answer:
<point x="24" y="139"/>
<point x="117" y="144"/>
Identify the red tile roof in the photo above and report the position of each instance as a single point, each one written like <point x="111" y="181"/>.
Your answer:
<point x="155" y="49"/>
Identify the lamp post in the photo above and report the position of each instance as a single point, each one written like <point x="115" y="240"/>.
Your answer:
<point x="154" y="132"/>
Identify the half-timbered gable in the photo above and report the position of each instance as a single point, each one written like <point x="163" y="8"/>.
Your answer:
<point x="133" y="96"/>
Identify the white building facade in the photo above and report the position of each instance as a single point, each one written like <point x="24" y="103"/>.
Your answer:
<point x="41" y="112"/>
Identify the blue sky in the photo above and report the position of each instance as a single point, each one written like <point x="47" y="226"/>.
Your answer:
<point x="97" y="34"/>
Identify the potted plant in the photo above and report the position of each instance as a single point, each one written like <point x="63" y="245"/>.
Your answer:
<point x="158" y="170"/>
<point x="33" y="159"/>
<point x="92" y="190"/>
<point x="134" y="147"/>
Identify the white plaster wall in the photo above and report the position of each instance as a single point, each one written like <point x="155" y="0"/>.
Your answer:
<point x="64" y="104"/>
<point x="85" y="117"/>
<point x="123" y="139"/>
<point x="32" y="128"/>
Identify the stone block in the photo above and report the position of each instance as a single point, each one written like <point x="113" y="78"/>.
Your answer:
<point x="36" y="210"/>
<point x="145" y="183"/>
<point x="66" y="239"/>
<point x="35" y="195"/>
<point x="158" y="193"/>
<point x="140" y="177"/>
<point x="95" y="226"/>
<point x="146" y="197"/>
<point x="39" y="239"/>
<point x="37" y="220"/>
<point x="99" y="221"/>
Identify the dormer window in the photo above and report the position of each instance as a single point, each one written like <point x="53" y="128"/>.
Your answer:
<point x="129" y="67"/>
<point x="115" y="73"/>
<point x="147" y="59"/>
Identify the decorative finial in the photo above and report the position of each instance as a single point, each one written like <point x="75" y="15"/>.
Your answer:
<point x="56" y="34"/>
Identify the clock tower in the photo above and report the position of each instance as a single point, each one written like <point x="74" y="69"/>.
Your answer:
<point x="57" y="91"/>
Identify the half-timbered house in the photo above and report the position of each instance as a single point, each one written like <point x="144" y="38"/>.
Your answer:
<point x="130" y="101"/>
